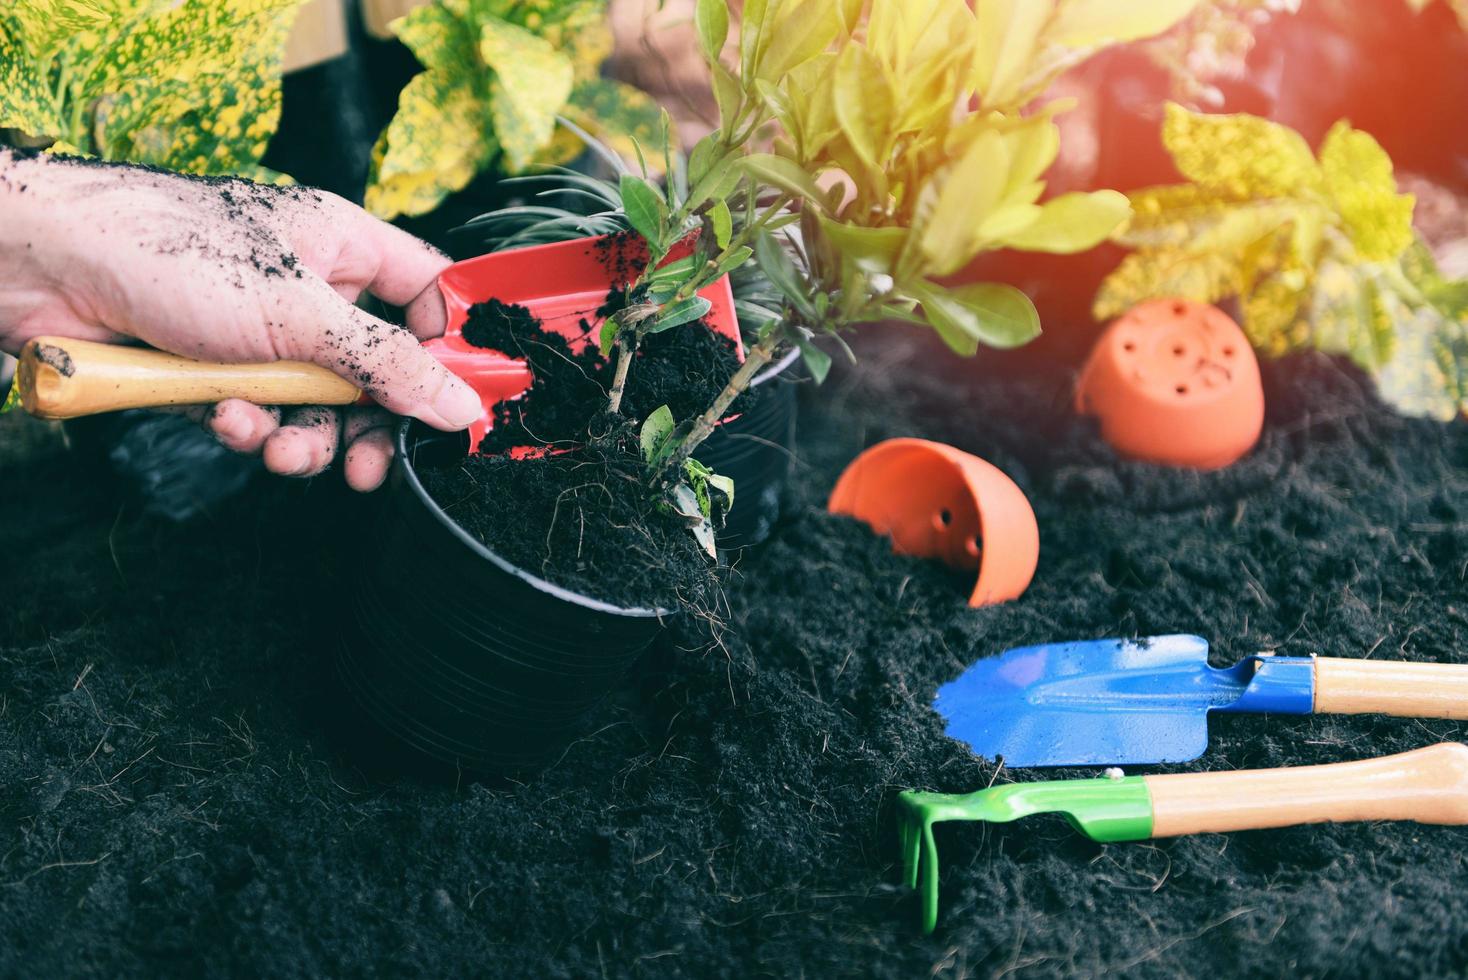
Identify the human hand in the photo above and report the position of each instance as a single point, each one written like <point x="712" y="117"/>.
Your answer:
<point x="228" y="270"/>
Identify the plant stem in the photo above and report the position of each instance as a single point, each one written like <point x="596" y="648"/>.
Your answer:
<point x="619" y="375"/>
<point x="759" y="355"/>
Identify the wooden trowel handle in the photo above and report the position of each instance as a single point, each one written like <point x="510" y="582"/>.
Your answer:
<point x="1407" y="690"/>
<point x="1426" y="785"/>
<point x="65" y="379"/>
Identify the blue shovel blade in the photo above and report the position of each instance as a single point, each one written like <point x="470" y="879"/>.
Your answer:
<point x="1111" y="702"/>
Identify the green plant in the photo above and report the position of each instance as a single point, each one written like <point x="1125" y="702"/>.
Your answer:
<point x="191" y="86"/>
<point x="497" y="74"/>
<point x="865" y="153"/>
<point x="1320" y="253"/>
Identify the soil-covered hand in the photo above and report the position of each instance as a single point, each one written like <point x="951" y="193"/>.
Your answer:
<point x="229" y="270"/>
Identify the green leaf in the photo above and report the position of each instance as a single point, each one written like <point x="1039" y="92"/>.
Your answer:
<point x="711" y="18"/>
<point x="702" y="157"/>
<point x="645" y="209"/>
<point x="990" y="313"/>
<point x="865" y="102"/>
<point x="1072" y="223"/>
<point x="786" y="175"/>
<point x="734" y="260"/>
<point x="723" y="223"/>
<point x="873" y="250"/>
<point x="12" y="398"/>
<point x="728" y="94"/>
<point x="725" y="485"/>
<point x="775" y="262"/>
<point x="532" y="84"/>
<point x="654" y="437"/>
<point x="609" y="330"/>
<point x="1092" y="23"/>
<point x="806" y="29"/>
<point x="817" y="361"/>
<point x="950" y="210"/>
<point x="677" y="270"/>
<point x="681" y="312"/>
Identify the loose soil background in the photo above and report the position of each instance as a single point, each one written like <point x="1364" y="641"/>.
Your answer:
<point x="176" y="796"/>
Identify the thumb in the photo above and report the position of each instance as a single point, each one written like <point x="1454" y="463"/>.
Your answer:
<point x="386" y="361"/>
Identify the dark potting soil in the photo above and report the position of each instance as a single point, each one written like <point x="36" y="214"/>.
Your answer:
<point x="682" y="368"/>
<point x="582" y="517"/>
<point x="174" y="798"/>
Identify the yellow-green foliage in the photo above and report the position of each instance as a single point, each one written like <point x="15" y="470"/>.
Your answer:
<point x="879" y="100"/>
<point x="497" y="73"/>
<point x="191" y="86"/>
<point x="1319" y="251"/>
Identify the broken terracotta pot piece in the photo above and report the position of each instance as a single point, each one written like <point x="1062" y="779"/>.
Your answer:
<point x="1175" y="382"/>
<point x="936" y="501"/>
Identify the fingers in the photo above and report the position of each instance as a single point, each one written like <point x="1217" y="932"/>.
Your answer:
<point x="407" y="276"/>
<point x="368" y="435"/>
<point x="385" y="361"/>
<point x="309" y="440"/>
<point x="305" y="444"/>
<point x="241" y="426"/>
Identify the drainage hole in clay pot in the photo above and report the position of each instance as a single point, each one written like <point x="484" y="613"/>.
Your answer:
<point x="942" y="519"/>
<point x="1179" y="309"/>
<point x="1128" y="346"/>
<point x="972" y="546"/>
<point x="1177" y="351"/>
<point x="1182" y="389"/>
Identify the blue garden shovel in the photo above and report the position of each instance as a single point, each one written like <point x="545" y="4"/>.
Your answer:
<point x="1135" y="702"/>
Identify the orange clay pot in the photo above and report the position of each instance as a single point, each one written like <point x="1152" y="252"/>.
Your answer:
<point x="1175" y="382"/>
<point x="938" y="502"/>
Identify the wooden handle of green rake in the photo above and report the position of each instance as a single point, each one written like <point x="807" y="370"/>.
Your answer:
<point x="1426" y="785"/>
<point x="65" y="379"/>
<point x="1407" y="690"/>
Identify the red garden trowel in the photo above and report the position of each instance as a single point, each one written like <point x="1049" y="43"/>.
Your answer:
<point x="1135" y="702"/>
<point x="562" y="284"/>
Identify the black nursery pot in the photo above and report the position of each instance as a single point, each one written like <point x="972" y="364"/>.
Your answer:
<point x="463" y="655"/>
<point x="757" y="450"/>
<point x="479" y="663"/>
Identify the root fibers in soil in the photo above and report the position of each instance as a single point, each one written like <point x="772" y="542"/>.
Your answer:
<point x="174" y="798"/>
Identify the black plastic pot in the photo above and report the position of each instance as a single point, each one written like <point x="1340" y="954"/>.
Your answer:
<point x="463" y="655"/>
<point x="757" y="450"/>
<point x="476" y="662"/>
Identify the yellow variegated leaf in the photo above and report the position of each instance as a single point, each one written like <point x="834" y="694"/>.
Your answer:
<point x="1240" y="155"/>
<point x="1172" y="215"/>
<point x="439" y="40"/>
<point x="1358" y="176"/>
<point x="1166" y="272"/>
<point x="1428" y="373"/>
<point x="1071" y="223"/>
<point x="532" y="82"/>
<point x="26" y="101"/>
<point x="616" y="114"/>
<point x="436" y="143"/>
<point x="1271" y="312"/>
<point x="1091" y="23"/>
<point x="1349" y="315"/>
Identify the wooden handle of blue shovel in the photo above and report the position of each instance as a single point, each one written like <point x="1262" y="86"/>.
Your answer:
<point x="1407" y="690"/>
<point x="64" y="379"/>
<point x="1426" y="785"/>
